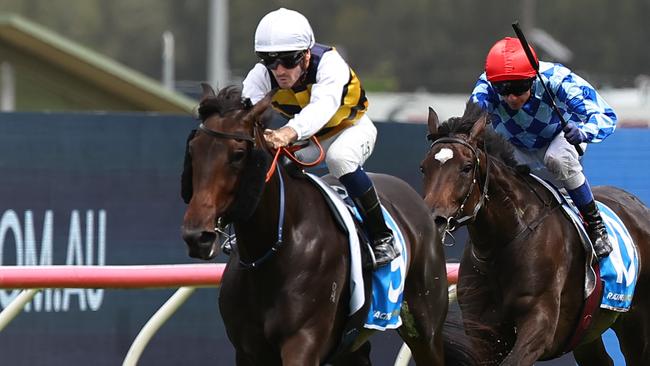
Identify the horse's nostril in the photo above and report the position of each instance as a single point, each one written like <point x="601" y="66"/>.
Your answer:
<point x="207" y="237"/>
<point x="440" y="220"/>
<point x="200" y="244"/>
<point x="199" y="238"/>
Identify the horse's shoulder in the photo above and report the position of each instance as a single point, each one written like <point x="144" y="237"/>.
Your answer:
<point x="620" y="200"/>
<point x="609" y="191"/>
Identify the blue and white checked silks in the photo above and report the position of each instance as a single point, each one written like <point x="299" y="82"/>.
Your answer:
<point x="536" y="124"/>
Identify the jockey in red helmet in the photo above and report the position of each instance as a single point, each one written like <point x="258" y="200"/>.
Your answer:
<point x="507" y="61"/>
<point x="521" y="112"/>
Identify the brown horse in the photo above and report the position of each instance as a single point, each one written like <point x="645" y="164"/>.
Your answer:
<point x="285" y="292"/>
<point x="521" y="278"/>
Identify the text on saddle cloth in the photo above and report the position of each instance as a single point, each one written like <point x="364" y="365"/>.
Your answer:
<point x="619" y="270"/>
<point x="387" y="281"/>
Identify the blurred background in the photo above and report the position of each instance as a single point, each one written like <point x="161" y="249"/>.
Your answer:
<point x="95" y="104"/>
<point x="433" y="45"/>
<point x="425" y="50"/>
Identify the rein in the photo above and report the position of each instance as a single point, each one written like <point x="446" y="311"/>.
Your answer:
<point x="278" y="242"/>
<point x="454" y="222"/>
<point x="254" y="140"/>
<point x="288" y="151"/>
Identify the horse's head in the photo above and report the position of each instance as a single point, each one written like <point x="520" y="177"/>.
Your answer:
<point x="451" y="168"/>
<point x="228" y="165"/>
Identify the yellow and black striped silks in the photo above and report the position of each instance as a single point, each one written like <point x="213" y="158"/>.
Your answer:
<point x="354" y="103"/>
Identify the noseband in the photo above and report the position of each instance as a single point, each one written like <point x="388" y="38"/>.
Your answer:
<point x="455" y="221"/>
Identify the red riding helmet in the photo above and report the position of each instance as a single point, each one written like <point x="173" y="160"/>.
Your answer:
<point x="507" y="61"/>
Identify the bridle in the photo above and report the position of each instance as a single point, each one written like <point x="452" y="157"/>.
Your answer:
<point x="258" y="139"/>
<point x="224" y="135"/>
<point x="220" y="226"/>
<point x="456" y="221"/>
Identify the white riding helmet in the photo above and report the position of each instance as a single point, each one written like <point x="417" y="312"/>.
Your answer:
<point x="283" y="30"/>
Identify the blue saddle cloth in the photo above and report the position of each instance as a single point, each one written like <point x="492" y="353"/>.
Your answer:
<point x="387" y="281"/>
<point x="619" y="270"/>
<point x="387" y="284"/>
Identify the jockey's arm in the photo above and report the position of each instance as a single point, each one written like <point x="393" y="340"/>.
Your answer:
<point x="332" y="75"/>
<point x="484" y="95"/>
<point x="257" y="83"/>
<point x="582" y="99"/>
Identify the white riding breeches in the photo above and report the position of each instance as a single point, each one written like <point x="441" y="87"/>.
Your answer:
<point x="559" y="162"/>
<point x="347" y="150"/>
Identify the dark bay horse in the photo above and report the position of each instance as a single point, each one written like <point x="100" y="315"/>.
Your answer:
<point x="521" y="278"/>
<point x="285" y="292"/>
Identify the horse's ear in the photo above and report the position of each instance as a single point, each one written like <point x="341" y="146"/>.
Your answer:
<point x="433" y="121"/>
<point x="207" y="91"/>
<point x="262" y="105"/>
<point x="478" y="128"/>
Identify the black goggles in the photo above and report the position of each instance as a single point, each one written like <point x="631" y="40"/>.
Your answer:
<point x="288" y="60"/>
<point x="514" y="87"/>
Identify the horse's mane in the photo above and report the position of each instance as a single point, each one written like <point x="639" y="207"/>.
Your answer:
<point x="228" y="99"/>
<point x="495" y="145"/>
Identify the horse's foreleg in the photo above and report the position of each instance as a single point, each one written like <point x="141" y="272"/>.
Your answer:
<point x="241" y="359"/>
<point x="633" y="332"/>
<point x="592" y="353"/>
<point x="301" y="349"/>
<point x="535" y="330"/>
<point x="423" y="316"/>
<point x="360" y="357"/>
<point x="422" y="334"/>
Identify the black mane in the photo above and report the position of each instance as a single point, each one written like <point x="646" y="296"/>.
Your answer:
<point x="227" y="100"/>
<point x="496" y="145"/>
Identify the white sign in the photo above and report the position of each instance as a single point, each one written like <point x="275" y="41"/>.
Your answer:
<point x="83" y="248"/>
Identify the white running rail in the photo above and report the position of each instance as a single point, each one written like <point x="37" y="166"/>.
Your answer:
<point x="186" y="277"/>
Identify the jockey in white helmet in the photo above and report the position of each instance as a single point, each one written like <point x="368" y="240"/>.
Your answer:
<point x="320" y="95"/>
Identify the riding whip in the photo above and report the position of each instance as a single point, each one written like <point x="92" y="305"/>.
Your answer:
<point x="535" y="66"/>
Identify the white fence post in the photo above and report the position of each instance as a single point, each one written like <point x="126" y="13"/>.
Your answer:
<point x="157" y="320"/>
<point x="16" y="306"/>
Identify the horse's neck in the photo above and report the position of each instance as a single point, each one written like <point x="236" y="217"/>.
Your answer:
<point x="513" y="204"/>
<point x="257" y="235"/>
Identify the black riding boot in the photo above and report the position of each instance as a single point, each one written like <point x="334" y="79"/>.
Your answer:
<point x="383" y="242"/>
<point x="597" y="230"/>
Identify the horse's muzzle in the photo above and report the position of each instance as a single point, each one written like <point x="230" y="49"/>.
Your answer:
<point x="444" y="223"/>
<point x="201" y="244"/>
<point x="440" y="221"/>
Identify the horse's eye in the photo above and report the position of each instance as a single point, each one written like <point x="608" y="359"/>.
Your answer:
<point x="467" y="168"/>
<point x="237" y="156"/>
<point x="422" y="169"/>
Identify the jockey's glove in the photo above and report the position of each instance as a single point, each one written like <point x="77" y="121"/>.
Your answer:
<point x="573" y="134"/>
